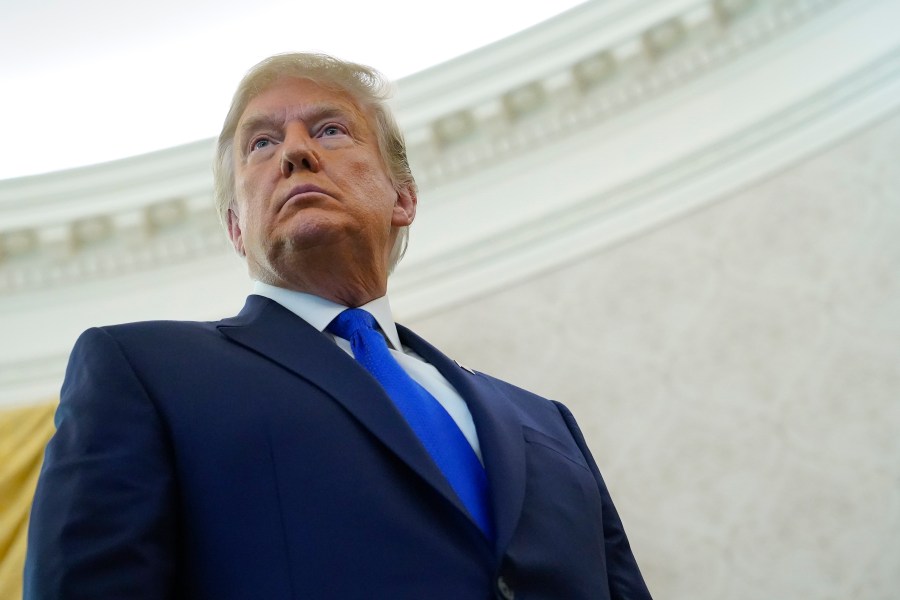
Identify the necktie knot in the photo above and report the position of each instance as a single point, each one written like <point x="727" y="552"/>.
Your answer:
<point x="350" y="322"/>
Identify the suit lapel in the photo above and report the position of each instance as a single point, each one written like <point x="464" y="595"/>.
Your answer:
<point x="265" y="327"/>
<point x="499" y="434"/>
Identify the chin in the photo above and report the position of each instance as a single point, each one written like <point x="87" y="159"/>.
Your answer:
<point x="310" y="228"/>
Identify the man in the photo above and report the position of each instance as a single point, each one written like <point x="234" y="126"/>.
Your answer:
<point x="300" y="449"/>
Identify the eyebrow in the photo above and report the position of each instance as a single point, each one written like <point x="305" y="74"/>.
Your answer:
<point x="309" y="114"/>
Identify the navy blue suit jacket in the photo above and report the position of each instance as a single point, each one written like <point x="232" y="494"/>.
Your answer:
<point x="253" y="458"/>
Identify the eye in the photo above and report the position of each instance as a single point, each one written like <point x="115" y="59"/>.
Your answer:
<point x="259" y="144"/>
<point x="332" y="130"/>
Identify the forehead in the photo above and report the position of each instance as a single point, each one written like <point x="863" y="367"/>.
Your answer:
<point x="290" y="98"/>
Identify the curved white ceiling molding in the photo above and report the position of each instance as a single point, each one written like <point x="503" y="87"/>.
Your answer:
<point x="667" y="133"/>
<point x="551" y="144"/>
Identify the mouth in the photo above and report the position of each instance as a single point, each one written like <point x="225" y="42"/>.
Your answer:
<point x="297" y="193"/>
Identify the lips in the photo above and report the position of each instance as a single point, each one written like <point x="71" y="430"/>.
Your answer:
<point x="300" y="190"/>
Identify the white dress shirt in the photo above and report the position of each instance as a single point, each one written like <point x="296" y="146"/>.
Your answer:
<point x="319" y="312"/>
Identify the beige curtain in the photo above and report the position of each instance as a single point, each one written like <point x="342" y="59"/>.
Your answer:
<point x="23" y="434"/>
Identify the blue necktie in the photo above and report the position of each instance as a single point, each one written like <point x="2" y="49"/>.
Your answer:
<point x="434" y="427"/>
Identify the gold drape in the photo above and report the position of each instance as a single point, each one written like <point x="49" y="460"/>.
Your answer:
<point x="23" y="434"/>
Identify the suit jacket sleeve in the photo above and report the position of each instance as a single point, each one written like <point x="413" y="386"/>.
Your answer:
<point x="103" y="518"/>
<point x="625" y="579"/>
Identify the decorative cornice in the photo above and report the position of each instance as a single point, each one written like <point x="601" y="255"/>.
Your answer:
<point x="601" y="85"/>
<point x="596" y="220"/>
<point x="109" y="245"/>
<point x="592" y="65"/>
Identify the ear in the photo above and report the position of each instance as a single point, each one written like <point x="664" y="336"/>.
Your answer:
<point x="404" y="207"/>
<point x="234" y="232"/>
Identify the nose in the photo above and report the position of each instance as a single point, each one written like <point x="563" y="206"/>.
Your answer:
<point x="298" y="153"/>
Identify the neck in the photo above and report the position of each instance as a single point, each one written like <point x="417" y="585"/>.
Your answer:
<point x="351" y="288"/>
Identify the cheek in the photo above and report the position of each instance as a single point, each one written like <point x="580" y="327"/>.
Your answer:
<point x="373" y="182"/>
<point x="243" y="189"/>
<point x="249" y="220"/>
<point x="251" y="198"/>
<point x="251" y="180"/>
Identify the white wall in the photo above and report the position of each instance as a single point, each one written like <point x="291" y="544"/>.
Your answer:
<point x="737" y="374"/>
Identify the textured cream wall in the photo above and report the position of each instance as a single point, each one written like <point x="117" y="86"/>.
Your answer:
<point x="737" y="374"/>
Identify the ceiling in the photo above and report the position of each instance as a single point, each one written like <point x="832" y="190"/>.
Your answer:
<point x="97" y="80"/>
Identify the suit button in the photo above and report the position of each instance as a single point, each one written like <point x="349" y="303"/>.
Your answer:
<point x="504" y="589"/>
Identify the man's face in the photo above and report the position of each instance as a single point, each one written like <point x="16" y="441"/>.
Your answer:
<point x="312" y="193"/>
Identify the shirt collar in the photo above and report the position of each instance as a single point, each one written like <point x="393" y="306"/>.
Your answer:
<point x="319" y="312"/>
